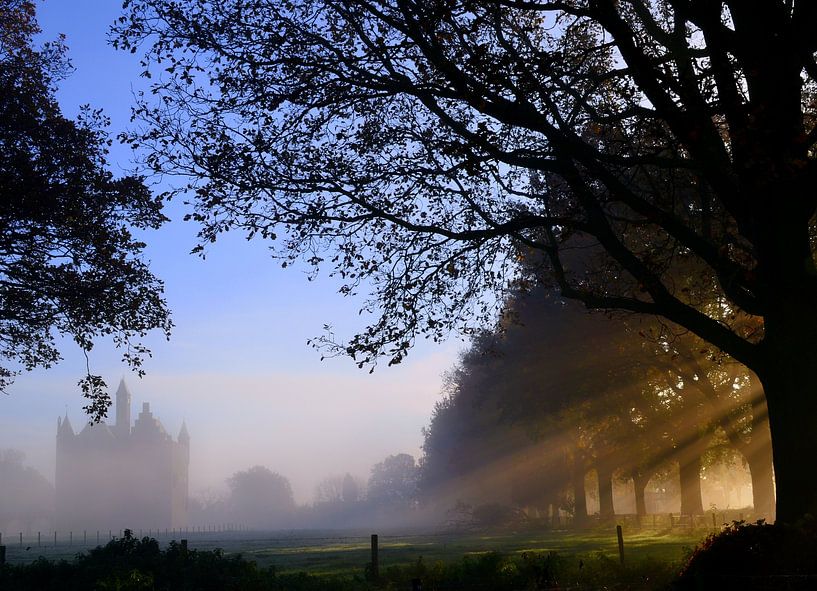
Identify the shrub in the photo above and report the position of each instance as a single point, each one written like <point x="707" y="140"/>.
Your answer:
<point x="754" y="556"/>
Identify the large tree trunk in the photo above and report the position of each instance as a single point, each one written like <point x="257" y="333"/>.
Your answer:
<point x="605" y="476"/>
<point x="689" y="469"/>
<point x="788" y="369"/>
<point x="760" y="469"/>
<point x="640" y="484"/>
<point x="792" y="401"/>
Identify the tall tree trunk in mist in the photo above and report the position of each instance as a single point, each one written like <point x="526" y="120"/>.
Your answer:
<point x="639" y="485"/>
<point x="554" y="514"/>
<point x="758" y="455"/>
<point x="760" y="469"/>
<point x="579" y="494"/>
<point x="605" y="478"/>
<point x="689" y="471"/>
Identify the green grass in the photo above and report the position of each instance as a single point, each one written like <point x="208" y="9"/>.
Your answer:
<point x="325" y="554"/>
<point x="345" y="552"/>
<point x="511" y="560"/>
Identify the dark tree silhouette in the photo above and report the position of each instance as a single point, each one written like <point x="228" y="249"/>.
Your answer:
<point x="69" y="264"/>
<point x="412" y="141"/>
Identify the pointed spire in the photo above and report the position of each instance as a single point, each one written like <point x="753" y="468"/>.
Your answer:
<point x="64" y="427"/>
<point x="184" y="436"/>
<point x="123" y="402"/>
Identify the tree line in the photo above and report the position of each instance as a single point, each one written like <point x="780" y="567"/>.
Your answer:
<point x="554" y="392"/>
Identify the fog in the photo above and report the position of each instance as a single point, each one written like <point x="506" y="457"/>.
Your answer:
<point x="307" y="427"/>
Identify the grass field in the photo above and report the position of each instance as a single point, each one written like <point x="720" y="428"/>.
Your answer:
<point x="335" y="552"/>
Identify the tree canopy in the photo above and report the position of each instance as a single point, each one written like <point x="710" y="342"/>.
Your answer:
<point x="656" y="156"/>
<point x="69" y="262"/>
<point x="261" y="497"/>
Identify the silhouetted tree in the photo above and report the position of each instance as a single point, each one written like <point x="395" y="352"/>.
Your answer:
<point x="260" y="498"/>
<point x="69" y="264"/>
<point x="416" y="141"/>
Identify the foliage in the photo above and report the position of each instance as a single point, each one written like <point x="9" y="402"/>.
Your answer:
<point x="553" y="390"/>
<point x="649" y="155"/>
<point x="754" y="556"/>
<point x="393" y="482"/>
<point x="133" y="564"/>
<point x="69" y="262"/>
<point x="260" y="497"/>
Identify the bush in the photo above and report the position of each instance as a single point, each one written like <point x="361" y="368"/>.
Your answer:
<point x="754" y="556"/>
<point x="130" y="564"/>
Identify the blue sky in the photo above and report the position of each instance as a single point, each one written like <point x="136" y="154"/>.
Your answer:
<point x="237" y="368"/>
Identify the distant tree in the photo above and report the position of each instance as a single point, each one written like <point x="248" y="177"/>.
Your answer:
<point x="338" y="488"/>
<point x="208" y="506"/>
<point x="260" y="498"/>
<point x="351" y="489"/>
<point x="412" y="142"/>
<point x="393" y="481"/>
<point x="69" y="263"/>
<point x="26" y="496"/>
<point x="330" y="489"/>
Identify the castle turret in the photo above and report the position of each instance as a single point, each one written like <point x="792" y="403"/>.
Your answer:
<point x="123" y="401"/>
<point x="184" y="442"/>
<point x="184" y="436"/>
<point x="64" y="428"/>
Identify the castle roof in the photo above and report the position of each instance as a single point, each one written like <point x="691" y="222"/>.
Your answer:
<point x="96" y="432"/>
<point x="147" y="426"/>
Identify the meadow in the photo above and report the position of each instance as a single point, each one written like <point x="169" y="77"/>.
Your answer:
<point x="345" y="553"/>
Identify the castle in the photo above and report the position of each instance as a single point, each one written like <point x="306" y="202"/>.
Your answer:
<point x="121" y="476"/>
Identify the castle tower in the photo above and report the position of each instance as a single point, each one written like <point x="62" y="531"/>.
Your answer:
<point x="180" y="476"/>
<point x="65" y="468"/>
<point x="184" y="442"/>
<point x="123" y="402"/>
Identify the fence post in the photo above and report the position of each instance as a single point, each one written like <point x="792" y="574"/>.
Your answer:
<point x="21" y="539"/>
<point x="38" y="540"/>
<point x="55" y="538"/>
<point x="2" y="555"/>
<point x="71" y="538"/>
<point x="714" y="524"/>
<point x="620" y="537"/>
<point x="84" y="536"/>
<point x="375" y="558"/>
